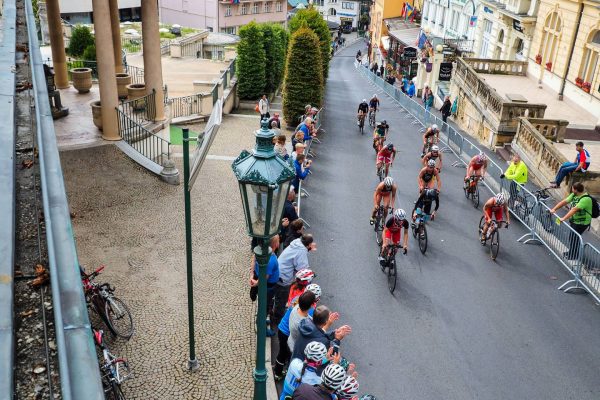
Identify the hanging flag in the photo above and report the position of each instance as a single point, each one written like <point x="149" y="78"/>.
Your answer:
<point x="473" y="20"/>
<point x="403" y="11"/>
<point x="409" y="10"/>
<point x="422" y="39"/>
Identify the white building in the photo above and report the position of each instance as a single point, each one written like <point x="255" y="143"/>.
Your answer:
<point x="80" y="11"/>
<point x="451" y="19"/>
<point x="343" y="12"/>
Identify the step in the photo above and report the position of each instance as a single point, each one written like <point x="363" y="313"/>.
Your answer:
<point x="505" y="152"/>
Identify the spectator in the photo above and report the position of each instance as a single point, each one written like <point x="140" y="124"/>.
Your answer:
<point x="293" y="232"/>
<point x="275" y="122"/>
<point x="292" y="259"/>
<point x="579" y="216"/>
<point x="581" y="163"/>
<point x="332" y="379"/>
<point x="302" y="170"/>
<point x="375" y="67"/>
<point x="297" y="138"/>
<point x="306" y="128"/>
<point x="299" y="313"/>
<point x="304" y="277"/>
<point x="381" y="70"/>
<point x="411" y="91"/>
<point x="272" y="277"/>
<point x="304" y="372"/>
<point x="445" y="110"/>
<point x="299" y="149"/>
<point x="263" y="107"/>
<point x="427" y="98"/>
<point x="404" y="86"/>
<point x="315" y="329"/>
<point x="516" y="173"/>
<point x="391" y="79"/>
<point x="280" y="146"/>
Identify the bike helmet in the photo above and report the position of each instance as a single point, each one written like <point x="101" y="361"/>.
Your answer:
<point x="481" y="157"/>
<point x="349" y="388"/>
<point x="431" y="163"/>
<point x="429" y="193"/>
<point x="500" y="198"/>
<point x="315" y="351"/>
<point x="435" y="148"/>
<point x="375" y="96"/>
<point x="388" y="182"/>
<point x="399" y="214"/>
<point x="364" y="100"/>
<point x="316" y="289"/>
<point x="390" y="146"/>
<point x="305" y="276"/>
<point x="384" y="122"/>
<point x="333" y="376"/>
<point x="434" y="127"/>
<point x="367" y="397"/>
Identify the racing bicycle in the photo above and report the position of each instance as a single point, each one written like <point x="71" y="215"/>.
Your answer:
<point x="471" y="188"/>
<point x="492" y="235"/>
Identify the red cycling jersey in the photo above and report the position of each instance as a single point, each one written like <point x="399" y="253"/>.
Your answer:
<point x="385" y="155"/>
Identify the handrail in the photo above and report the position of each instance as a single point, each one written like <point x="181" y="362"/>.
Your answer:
<point x="79" y="372"/>
<point x="148" y="144"/>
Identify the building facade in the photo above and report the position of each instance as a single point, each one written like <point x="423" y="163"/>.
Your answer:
<point x="380" y="11"/>
<point x="232" y="16"/>
<point x="505" y="29"/>
<point x="343" y="12"/>
<point x="565" y="50"/>
<point x="80" y="11"/>
<point x="191" y="13"/>
<point x="452" y="19"/>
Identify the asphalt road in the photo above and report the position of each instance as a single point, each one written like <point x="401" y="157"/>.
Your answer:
<point x="459" y="326"/>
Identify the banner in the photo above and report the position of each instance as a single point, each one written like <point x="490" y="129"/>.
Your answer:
<point x="445" y="71"/>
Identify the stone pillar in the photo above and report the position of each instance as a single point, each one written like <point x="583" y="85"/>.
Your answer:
<point x="438" y="58"/>
<point x="59" y="59"/>
<point x="107" y="79"/>
<point x="152" y="56"/>
<point x="116" y="34"/>
<point x="43" y="16"/>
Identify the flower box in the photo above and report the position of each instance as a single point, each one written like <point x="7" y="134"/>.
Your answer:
<point x="549" y="66"/>
<point x="538" y="59"/>
<point x="586" y="86"/>
<point x="578" y="82"/>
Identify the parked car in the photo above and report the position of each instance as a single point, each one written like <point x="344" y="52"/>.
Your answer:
<point x="347" y="28"/>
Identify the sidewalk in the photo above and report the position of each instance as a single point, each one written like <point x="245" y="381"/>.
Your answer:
<point x="128" y="220"/>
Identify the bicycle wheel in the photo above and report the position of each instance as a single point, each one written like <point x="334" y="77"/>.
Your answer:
<point x="423" y="238"/>
<point x="380" y="173"/>
<point x="413" y="227"/>
<point x="379" y="228"/>
<point x="494" y="244"/>
<point x="115" y="392"/>
<point x="481" y="223"/>
<point x="98" y="304"/>
<point x="475" y="196"/>
<point x="392" y="275"/>
<point x="118" y="317"/>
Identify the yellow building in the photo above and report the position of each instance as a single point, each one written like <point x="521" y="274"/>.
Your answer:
<point x="565" y="50"/>
<point x="380" y="11"/>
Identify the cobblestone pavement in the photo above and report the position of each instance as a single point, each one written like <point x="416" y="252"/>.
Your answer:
<point x="127" y="219"/>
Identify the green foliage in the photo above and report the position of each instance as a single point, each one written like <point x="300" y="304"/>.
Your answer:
<point x="81" y="38"/>
<point x="311" y="18"/>
<point x="167" y="35"/>
<point x="303" y="83"/>
<point x="274" y="43"/>
<point x="251" y="62"/>
<point x="89" y="54"/>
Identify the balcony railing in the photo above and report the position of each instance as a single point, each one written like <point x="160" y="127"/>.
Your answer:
<point x="503" y="67"/>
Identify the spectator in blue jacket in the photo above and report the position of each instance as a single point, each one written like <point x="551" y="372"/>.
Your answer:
<point x="306" y="128"/>
<point x="411" y="91"/>
<point x="302" y="171"/>
<point x="404" y="86"/>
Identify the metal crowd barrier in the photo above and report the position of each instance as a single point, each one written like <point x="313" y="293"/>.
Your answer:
<point x="582" y="260"/>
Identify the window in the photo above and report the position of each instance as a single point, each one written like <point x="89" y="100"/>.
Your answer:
<point x="332" y="11"/>
<point x="487" y="26"/>
<point x="501" y="36"/>
<point x="551" y="32"/>
<point x="255" y="8"/>
<point x="333" y="1"/>
<point x="267" y="7"/>
<point x="228" y="11"/>
<point x="278" y="6"/>
<point x="244" y="9"/>
<point x="346" y="5"/>
<point x="319" y="3"/>
<point x="588" y="71"/>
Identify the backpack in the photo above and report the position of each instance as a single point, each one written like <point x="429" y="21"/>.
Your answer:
<point x="595" y="206"/>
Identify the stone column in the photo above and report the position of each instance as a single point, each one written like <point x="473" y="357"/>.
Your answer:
<point x="107" y="80"/>
<point x="59" y="59"/>
<point x="116" y="34"/>
<point x="43" y="16"/>
<point x="152" y="56"/>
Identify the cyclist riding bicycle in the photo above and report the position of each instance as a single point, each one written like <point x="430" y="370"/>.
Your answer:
<point x="384" y="192"/>
<point x="380" y="134"/>
<point x="374" y="103"/>
<point x="427" y="175"/>
<point x="392" y="233"/>
<point x="495" y="206"/>
<point x="363" y="109"/>
<point x="386" y="156"/>
<point x="430" y="137"/>
<point x="424" y="203"/>
<point x="434" y="154"/>
<point x="477" y="166"/>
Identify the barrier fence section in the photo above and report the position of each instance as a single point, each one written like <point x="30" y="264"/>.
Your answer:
<point x="582" y="260"/>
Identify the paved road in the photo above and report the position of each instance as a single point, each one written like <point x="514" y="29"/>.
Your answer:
<point x="459" y="325"/>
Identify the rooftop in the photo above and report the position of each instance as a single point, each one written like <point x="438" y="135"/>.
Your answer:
<point x="405" y="31"/>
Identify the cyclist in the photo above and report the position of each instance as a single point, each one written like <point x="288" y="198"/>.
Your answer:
<point x="386" y="192"/>
<point x="393" y="232"/>
<point x="373" y="106"/>
<point x="380" y="134"/>
<point x="363" y="109"/>
<point x="477" y="166"/>
<point x="495" y="206"/>
<point x="386" y="156"/>
<point x="427" y="175"/>
<point x="434" y="154"/>
<point x="424" y="202"/>
<point x="430" y="137"/>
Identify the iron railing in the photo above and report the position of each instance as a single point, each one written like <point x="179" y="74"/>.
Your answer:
<point x="132" y="44"/>
<point x="581" y="260"/>
<point x="142" y="109"/>
<point x="149" y="145"/>
<point x="185" y="106"/>
<point x="137" y="73"/>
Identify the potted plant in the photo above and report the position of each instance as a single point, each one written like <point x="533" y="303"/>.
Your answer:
<point x="137" y="91"/>
<point x="586" y="86"/>
<point x="549" y="65"/>
<point x="578" y="82"/>
<point x="538" y="59"/>
<point x="82" y="79"/>
<point x="97" y="113"/>
<point x="123" y="79"/>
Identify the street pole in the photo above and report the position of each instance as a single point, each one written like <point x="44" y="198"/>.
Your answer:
<point x="192" y="361"/>
<point x="263" y="253"/>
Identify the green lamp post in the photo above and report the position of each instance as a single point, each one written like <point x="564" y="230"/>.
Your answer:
<point x="264" y="179"/>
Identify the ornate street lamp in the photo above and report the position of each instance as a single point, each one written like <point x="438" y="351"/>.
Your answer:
<point x="264" y="180"/>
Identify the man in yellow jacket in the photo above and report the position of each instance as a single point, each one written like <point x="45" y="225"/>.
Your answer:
<point x="516" y="172"/>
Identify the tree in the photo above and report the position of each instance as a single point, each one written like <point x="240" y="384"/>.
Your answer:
<point x="251" y="62"/>
<point x="81" y="38"/>
<point x="274" y="43"/>
<point x="281" y="52"/>
<point x="303" y="83"/>
<point x="89" y="54"/>
<point x="314" y="21"/>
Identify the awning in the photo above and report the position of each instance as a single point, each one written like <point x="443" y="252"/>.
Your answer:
<point x="403" y="31"/>
<point x="385" y="43"/>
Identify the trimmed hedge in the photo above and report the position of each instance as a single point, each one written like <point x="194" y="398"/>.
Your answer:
<point x="314" y="20"/>
<point x="251" y="62"/>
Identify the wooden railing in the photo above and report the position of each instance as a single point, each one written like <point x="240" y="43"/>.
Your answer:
<point x="501" y="67"/>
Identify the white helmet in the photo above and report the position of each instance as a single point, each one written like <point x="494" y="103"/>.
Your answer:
<point x="315" y="351"/>
<point x="349" y="388"/>
<point x="375" y="95"/>
<point x="434" y="127"/>
<point x="364" y="100"/>
<point x="316" y="289"/>
<point x="305" y="276"/>
<point x="399" y="214"/>
<point x="333" y="376"/>
<point x="500" y="198"/>
<point x="431" y="163"/>
<point x="388" y="181"/>
<point x="481" y="157"/>
<point x="435" y="148"/>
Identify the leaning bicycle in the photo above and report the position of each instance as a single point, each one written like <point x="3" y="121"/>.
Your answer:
<point x="389" y="262"/>
<point x="471" y="189"/>
<point x="113" y="370"/>
<point x="113" y="312"/>
<point x="419" y="230"/>
<point x="492" y="236"/>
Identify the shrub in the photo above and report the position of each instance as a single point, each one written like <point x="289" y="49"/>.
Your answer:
<point x="81" y="38"/>
<point x="274" y="43"/>
<point x="314" y="21"/>
<point x="89" y="54"/>
<point x="251" y="62"/>
<point x="303" y="83"/>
